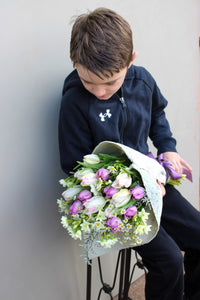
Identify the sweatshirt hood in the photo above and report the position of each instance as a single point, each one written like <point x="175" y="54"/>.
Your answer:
<point x="72" y="80"/>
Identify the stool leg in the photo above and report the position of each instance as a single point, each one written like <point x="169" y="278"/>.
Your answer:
<point x="121" y="279"/>
<point x="89" y="280"/>
<point x="127" y="273"/>
<point x="124" y="282"/>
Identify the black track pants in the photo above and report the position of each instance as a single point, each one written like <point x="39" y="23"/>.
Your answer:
<point x="179" y="231"/>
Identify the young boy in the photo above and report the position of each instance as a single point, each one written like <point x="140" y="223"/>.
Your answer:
<point x="107" y="98"/>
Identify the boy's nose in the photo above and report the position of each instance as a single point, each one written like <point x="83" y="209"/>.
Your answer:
<point x="99" y="92"/>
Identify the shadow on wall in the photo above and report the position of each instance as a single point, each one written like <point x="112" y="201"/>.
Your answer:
<point x="50" y="172"/>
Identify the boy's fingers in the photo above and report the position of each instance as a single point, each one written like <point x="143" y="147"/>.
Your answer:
<point x="162" y="188"/>
<point x="186" y="165"/>
<point x="177" y="162"/>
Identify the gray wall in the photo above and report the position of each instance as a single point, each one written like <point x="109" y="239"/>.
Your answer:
<point x="37" y="258"/>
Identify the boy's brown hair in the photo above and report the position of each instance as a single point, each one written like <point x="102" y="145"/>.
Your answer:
<point x="101" y="41"/>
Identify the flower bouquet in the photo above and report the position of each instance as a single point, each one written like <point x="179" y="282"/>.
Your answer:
<point x="112" y="200"/>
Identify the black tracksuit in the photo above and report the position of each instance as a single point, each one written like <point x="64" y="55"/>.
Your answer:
<point x="130" y="116"/>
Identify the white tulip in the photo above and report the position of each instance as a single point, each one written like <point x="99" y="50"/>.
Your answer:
<point x="71" y="192"/>
<point x="91" y="159"/>
<point x="81" y="173"/>
<point x="121" y="180"/>
<point x="94" y="204"/>
<point x="121" y="198"/>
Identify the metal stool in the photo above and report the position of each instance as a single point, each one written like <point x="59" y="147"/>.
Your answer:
<point x="125" y="278"/>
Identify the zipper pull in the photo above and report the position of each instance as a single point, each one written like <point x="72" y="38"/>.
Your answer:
<point x="123" y="102"/>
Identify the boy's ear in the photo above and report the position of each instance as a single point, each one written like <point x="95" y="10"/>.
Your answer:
<point x="134" y="55"/>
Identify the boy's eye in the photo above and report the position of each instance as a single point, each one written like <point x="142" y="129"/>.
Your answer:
<point x="111" y="82"/>
<point x="86" y="82"/>
<point x="90" y="83"/>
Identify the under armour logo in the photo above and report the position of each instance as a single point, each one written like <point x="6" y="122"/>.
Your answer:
<point x="103" y="116"/>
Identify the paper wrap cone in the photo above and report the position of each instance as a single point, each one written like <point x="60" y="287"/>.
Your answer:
<point x="150" y="171"/>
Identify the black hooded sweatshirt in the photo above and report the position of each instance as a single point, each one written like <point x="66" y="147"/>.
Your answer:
<point x="130" y="116"/>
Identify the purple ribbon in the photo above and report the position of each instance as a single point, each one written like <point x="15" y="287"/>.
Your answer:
<point x="170" y="172"/>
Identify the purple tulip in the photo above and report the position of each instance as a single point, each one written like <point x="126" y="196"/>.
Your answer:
<point x="138" y="192"/>
<point x="103" y="173"/>
<point x="110" y="191"/>
<point x="76" y="207"/>
<point x="130" y="211"/>
<point x="114" y="223"/>
<point x="84" y="195"/>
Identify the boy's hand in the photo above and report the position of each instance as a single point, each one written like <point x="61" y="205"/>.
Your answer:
<point x="177" y="162"/>
<point x="162" y="188"/>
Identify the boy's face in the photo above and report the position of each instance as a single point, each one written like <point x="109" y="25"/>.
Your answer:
<point x="103" y="88"/>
